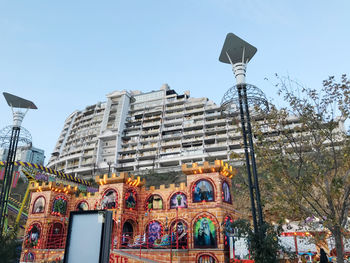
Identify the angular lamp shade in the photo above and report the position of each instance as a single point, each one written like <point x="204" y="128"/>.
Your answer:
<point x="234" y="46"/>
<point x="18" y="102"/>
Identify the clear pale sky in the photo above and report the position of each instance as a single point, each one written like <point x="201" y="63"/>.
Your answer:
<point x="65" y="55"/>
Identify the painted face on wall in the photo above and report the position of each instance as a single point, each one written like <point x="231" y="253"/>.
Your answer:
<point x="59" y="206"/>
<point x="203" y="191"/>
<point x="33" y="235"/>
<point x="206" y="259"/>
<point x="109" y="200"/>
<point x="154" y="232"/>
<point x="204" y="233"/>
<point x="178" y="200"/>
<point x="39" y="205"/>
<point x="130" y="199"/>
<point x="82" y="206"/>
<point x="226" y="192"/>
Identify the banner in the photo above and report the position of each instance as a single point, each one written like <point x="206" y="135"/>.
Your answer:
<point x="2" y="172"/>
<point x="15" y="179"/>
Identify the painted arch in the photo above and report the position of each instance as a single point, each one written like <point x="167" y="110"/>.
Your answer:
<point x="203" y="191"/>
<point x="205" y="258"/>
<point x="178" y="200"/>
<point x="109" y="199"/>
<point x="39" y="205"/>
<point x="154" y="202"/>
<point x="205" y="232"/>
<point x="82" y="206"/>
<point x="59" y="206"/>
<point x="130" y="199"/>
<point x="226" y="193"/>
<point x="32" y="239"/>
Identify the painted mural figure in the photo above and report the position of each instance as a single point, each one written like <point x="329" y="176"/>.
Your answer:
<point x="130" y="201"/>
<point x="33" y="236"/>
<point x="227" y="194"/>
<point x="60" y="206"/>
<point x="178" y="200"/>
<point x="154" y="232"/>
<point x="82" y="206"/>
<point x="109" y="200"/>
<point x="206" y="259"/>
<point x="180" y="237"/>
<point x="155" y="202"/>
<point x="205" y="233"/>
<point x="228" y="230"/>
<point x="39" y="205"/>
<point x="29" y="257"/>
<point x="203" y="191"/>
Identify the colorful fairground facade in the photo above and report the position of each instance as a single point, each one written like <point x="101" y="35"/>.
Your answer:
<point x="175" y="223"/>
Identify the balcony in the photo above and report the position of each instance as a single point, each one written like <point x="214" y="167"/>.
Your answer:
<point x="151" y="124"/>
<point x="175" y="127"/>
<point x="173" y="142"/>
<point x="152" y="131"/>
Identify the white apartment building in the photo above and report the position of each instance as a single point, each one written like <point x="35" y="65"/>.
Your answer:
<point x="134" y="131"/>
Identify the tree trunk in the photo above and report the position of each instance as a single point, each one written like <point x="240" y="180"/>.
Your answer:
<point x="338" y="237"/>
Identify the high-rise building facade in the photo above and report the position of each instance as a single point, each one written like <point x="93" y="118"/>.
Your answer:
<point x="28" y="154"/>
<point x="134" y="131"/>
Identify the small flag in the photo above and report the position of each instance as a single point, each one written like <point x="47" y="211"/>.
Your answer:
<point x="2" y="173"/>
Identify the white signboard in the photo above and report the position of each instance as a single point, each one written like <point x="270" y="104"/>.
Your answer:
<point x="287" y="242"/>
<point x="87" y="237"/>
<point x="304" y="245"/>
<point x="241" y="248"/>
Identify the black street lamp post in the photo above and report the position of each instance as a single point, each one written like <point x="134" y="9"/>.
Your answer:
<point x="238" y="52"/>
<point x="18" y="115"/>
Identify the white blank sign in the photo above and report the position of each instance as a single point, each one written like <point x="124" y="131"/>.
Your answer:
<point x="85" y="238"/>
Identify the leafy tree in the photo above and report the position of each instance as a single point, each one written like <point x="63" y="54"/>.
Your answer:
<point x="9" y="245"/>
<point x="262" y="252"/>
<point x="303" y="155"/>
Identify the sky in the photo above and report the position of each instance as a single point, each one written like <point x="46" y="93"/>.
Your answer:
<point x="65" y="55"/>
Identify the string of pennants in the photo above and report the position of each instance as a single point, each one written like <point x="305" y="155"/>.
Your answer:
<point x="60" y="177"/>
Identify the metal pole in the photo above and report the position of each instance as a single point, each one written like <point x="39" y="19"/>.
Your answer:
<point x="8" y="174"/>
<point x="23" y="203"/>
<point x="252" y="156"/>
<point x="251" y="191"/>
<point x="177" y="230"/>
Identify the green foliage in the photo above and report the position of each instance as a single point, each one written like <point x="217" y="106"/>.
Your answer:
<point x="262" y="252"/>
<point x="9" y="245"/>
<point x="303" y="155"/>
<point x="60" y="206"/>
